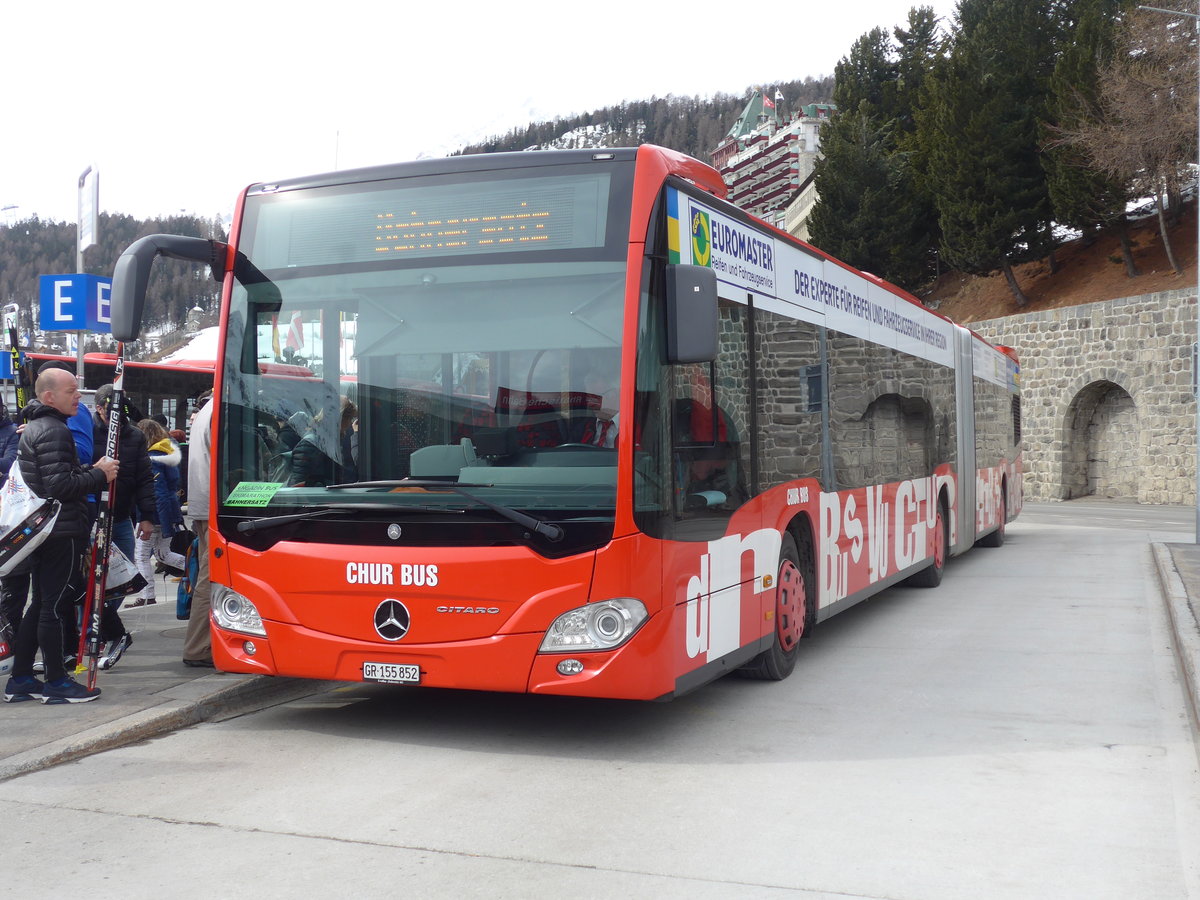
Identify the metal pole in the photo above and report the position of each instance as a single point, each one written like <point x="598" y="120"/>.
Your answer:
<point x="79" y="342"/>
<point x="81" y="335"/>
<point x="1195" y="17"/>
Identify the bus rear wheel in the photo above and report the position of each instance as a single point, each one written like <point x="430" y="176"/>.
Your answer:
<point x="793" y="616"/>
<point x="931" y="575"/>
<point x="996" y="538"/>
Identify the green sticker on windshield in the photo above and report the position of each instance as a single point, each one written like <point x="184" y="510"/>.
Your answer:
<point x="252" y="493"/>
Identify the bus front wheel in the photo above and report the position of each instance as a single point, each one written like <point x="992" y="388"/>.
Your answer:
<point x="794" y="586"/>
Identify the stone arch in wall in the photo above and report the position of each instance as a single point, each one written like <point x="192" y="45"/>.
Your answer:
<point x="1139" y="343"/>
<point x="1101" y="442"/>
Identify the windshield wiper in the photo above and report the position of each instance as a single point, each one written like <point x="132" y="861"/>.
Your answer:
<point x="548" y="530"/>
<point x="251" y="525"/>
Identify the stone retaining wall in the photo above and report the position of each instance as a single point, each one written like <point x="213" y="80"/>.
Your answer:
<point x="1108" y="405"/>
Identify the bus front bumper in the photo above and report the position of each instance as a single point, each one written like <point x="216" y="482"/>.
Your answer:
<point x="506" y="662"/>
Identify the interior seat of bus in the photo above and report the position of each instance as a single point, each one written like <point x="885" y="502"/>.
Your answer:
<point x="706" y="454"/>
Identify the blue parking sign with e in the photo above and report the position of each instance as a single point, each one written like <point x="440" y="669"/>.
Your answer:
<point x="75" y="303"/>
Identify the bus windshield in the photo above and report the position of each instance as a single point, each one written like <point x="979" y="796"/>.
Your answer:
<point x="433" y="329"/>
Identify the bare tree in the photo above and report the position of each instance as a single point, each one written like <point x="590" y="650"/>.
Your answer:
<point x="1145" y="130"/>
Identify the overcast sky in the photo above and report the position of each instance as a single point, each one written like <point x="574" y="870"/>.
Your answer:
<point x="180" y="106"/>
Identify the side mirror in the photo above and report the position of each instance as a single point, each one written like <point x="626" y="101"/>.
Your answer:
<point x="691" y="314"/>
<point x="132" y="273"/>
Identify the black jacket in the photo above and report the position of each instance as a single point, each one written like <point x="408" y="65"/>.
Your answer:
<point x="8" y="443"/>
<point x="135" y="480"/>
<point x="50" y="466"/>
<point x="311" y="466"/>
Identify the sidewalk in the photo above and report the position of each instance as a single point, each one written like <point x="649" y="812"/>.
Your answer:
<point x="1179" y="573"/>
<point x="148" y="693"/>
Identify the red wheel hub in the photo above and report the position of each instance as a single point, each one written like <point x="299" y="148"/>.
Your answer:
<point x="939" y="541"/>
<point x="789" y="605"/>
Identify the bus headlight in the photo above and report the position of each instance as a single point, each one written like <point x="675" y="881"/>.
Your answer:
<point x="597" y="626"/>
<point x="234" y="612"/>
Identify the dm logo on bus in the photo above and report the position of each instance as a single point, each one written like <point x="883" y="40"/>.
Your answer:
<point x="701" y="239"/>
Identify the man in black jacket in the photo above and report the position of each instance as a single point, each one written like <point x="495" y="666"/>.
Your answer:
<point x="133" y="493"/>
<point x="50" y="465"/>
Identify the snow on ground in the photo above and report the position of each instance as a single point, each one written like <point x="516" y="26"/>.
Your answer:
<point x="202" y="346"/>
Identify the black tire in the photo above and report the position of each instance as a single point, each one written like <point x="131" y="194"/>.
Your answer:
<point x="795" y="612"/>
<point x="996" y="538"/>
<point x="931" y="575"/>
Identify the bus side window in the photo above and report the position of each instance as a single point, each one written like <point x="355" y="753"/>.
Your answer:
<point x="706" y="447"/>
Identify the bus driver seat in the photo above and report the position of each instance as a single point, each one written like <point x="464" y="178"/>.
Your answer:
<point x="706" y="455"/>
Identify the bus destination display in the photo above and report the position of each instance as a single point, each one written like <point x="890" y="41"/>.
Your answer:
<point x="430" y="221"/>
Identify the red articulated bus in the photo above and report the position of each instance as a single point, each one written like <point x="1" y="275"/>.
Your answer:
<point x="571" y="423"/>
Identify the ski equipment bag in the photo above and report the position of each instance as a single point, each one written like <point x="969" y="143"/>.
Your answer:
<point x="25" y="520"/>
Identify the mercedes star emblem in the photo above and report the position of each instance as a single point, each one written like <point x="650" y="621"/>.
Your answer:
<point x="391" y="620"/>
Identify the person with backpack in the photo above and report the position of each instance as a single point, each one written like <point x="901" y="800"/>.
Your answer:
<point x="165" y="457"/>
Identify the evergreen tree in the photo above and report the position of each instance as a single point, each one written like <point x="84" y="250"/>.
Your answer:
<point x="864" y="215"/>
<point x="981" y="130"/>
<point x="872" y="209"/>
<point x="864" y="80"/>
<point x="918" y="49"/>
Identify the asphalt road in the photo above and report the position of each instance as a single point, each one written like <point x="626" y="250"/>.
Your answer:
<point x="1019" y="732"/>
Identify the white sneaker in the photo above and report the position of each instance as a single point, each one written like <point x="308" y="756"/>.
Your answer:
<point x="69" y="660"/>
<point x="114" y="651"/>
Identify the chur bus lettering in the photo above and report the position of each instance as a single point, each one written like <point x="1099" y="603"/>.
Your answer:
<point x="368" y="573"/>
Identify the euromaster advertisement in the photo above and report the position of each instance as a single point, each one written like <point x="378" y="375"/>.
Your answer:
<point x="739" y="256"/>
<point x="810" y="287"/>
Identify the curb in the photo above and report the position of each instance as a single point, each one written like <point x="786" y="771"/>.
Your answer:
<point x="214" y="698"/>
<point x="1185" y="629"/>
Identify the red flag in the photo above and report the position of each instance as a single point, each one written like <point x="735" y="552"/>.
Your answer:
<point x="768" y="102"/>
<point x="275" y="336"/>
<point x="295" y="335"/>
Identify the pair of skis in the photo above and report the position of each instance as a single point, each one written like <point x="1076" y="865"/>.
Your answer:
<point x="93" y="603"/>
<point x="22" y="380"/>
